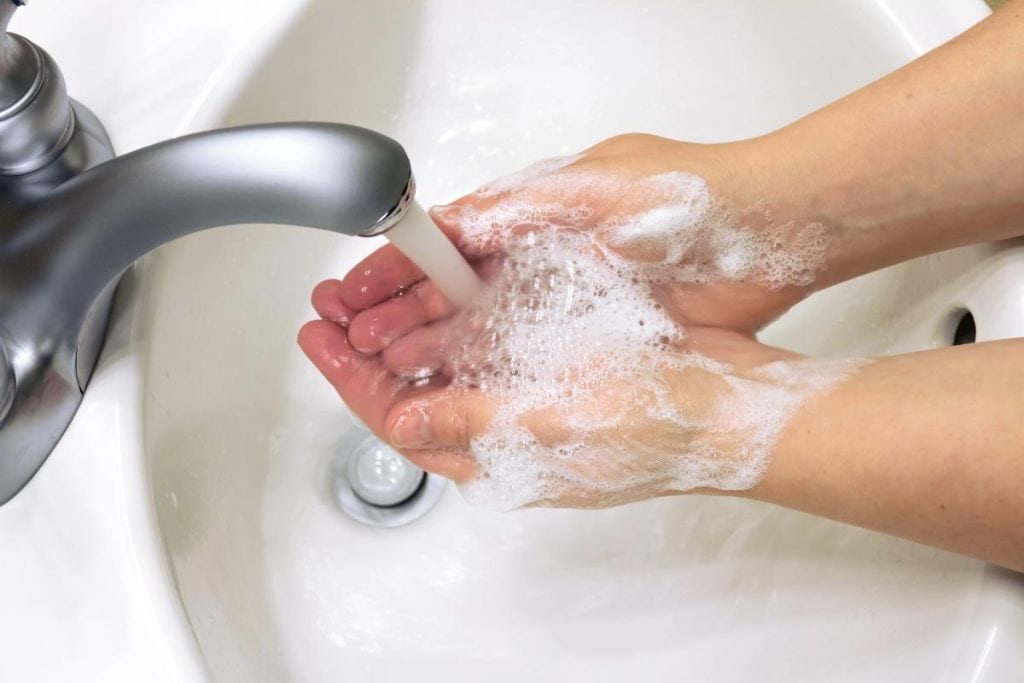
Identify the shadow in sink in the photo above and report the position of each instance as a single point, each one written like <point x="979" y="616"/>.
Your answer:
<point x="725" y="568"/>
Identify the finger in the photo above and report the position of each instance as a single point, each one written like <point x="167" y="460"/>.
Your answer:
<point x="733" y="347"/>
<point x="483" y="228"/>
<point x="452" y="463"/>
<point x="421" y="353"/>
<point x="327" y="303"/>
<point x="734" y="305"/>
<point x="382" y="274"/>
<point x="462" y="224"/>
<point x="443" y="419"/>
<point x="477" y="222"/>
<point x="378" y="277"/>
<point x="535" y="174"/>
<point x="362" y="381"/>
<point x="480" y="234"/>
<point x="376" y="328"/>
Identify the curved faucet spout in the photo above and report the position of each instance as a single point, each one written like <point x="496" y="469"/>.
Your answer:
<point x="331" y="176"/>
<point x="70" y="247"/>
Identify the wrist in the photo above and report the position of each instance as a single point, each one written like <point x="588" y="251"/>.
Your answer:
<point x="764" y="188"/>
<point x="804" y="175"/>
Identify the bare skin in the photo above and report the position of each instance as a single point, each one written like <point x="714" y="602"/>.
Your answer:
<point x="926" y="159"/>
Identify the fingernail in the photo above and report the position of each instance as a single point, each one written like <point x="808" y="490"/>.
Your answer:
<point x="365" y="349"/>
<point x="343" y="316"/>
<point x="376" y="339"/>
<point x="411" y="429"/>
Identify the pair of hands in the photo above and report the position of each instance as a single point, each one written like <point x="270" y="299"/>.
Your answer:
<point x="384" y="322"/>
<point x="944" y="472"/>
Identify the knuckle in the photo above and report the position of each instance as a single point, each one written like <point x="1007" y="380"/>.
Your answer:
<point x="625" y="141"/>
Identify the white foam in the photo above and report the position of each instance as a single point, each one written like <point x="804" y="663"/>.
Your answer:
<point x="598" y="401"/>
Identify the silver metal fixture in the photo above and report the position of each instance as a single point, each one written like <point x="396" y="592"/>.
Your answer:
<point x="73" y="219"/>
<point x="380" y="475"/>
<point x="376" y="485"/>
<point x="395" y="215"/>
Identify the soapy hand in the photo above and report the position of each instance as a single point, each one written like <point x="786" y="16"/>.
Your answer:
<point x="612" y="356"/>
<point x="692" y="214"/>
<point x="609" y="428"/>
<point x="603" y="414"/>
<point x="624" y="428"/>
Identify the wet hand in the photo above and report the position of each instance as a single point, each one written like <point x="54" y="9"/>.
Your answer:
<point x="699" y="271"/>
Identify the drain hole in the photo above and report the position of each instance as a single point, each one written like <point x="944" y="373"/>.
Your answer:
<point x="375" y="485"/>
<point x="966" y="332"/>
<point x="380" y="476"/>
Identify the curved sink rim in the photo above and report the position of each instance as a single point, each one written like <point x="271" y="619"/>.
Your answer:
<point x="129" y="333"/>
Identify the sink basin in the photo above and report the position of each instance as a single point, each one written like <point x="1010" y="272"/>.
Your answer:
<point x="241" y="432"/>
<point x="252" y="571"/>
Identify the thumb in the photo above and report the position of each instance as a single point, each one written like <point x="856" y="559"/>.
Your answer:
<point x="462" y="224"/>
<point x="445" y="419"/>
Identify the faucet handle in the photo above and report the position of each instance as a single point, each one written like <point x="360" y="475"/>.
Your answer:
<point x="36" y="121"/>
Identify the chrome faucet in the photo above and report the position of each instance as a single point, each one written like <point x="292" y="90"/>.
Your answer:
<point x="73" y="218"/>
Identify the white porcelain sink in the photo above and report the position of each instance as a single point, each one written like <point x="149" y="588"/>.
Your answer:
<point x="208" y="393"/>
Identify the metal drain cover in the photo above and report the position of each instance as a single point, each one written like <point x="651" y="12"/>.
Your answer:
<point x="376" y="485"/>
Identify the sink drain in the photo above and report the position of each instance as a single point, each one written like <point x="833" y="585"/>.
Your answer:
<point x="376" y="485"/>
<point x="966" y="331"/>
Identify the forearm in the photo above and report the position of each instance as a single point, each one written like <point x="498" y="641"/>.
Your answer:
<point x="929" y="158"/>
<point x="928" y="446"/>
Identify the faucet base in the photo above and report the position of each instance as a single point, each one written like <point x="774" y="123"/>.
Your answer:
<point x="37" y="401"/>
